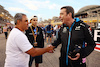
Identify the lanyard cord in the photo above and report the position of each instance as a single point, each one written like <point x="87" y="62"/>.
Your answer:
<point x="34" y="34"/>
<point x="69" y="42"/>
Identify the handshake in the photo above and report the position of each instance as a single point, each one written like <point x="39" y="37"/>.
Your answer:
<point x="50" y="49"/>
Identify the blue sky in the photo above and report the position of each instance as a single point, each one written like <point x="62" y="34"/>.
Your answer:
<point x="44" y="9"/>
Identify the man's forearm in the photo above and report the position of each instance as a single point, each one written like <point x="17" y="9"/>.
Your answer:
<point x="39" y="51"/>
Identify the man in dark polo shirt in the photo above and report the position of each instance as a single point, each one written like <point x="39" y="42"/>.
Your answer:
<point x="35" y="36"/>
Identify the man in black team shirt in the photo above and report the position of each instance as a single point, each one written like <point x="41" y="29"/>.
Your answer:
<point x="72" y="35"/>
<point x="35" y="37"/>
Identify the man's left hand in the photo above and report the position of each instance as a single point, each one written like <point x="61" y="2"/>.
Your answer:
<point x="76" y="58"/>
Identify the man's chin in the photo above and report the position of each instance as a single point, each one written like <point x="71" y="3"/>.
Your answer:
<point x="26" y="28"/>
<point x="61" y="20"/>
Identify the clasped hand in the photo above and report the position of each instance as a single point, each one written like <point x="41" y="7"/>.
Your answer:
<point x="76" y="58"/>
<point x="50" y="48"/>
<point x="51" y="51"/>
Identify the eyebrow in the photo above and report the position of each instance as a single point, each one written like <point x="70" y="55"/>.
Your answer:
<point x="61" y="13"/>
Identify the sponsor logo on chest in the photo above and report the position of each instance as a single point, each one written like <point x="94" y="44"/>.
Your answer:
<point x="64" y="30"/>
<point x="77" y="27"/>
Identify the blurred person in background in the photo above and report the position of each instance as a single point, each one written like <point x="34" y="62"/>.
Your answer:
<point x="5" y="31"/>
<point x="48" y="29"/>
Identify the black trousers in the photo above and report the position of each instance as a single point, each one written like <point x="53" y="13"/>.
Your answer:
<point x="62" y="63"/>
<point x="6" y="34"/>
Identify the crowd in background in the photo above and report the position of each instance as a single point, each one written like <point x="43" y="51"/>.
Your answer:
<point x="49" y="31"/>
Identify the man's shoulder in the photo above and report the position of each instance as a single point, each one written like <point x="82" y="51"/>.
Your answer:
<point x="83" y="24"/>
<point x="39" y="28"/>
<point x="15" y="33"/>
<point x="79" y="22"/>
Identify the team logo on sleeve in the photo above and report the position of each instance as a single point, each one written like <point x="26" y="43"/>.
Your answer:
<point x="90" y="31"/>
<point x="82" y="24"/>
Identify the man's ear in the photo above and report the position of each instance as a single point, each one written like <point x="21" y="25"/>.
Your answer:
<point x="70" y="14"/>
<point x="18" y="21"/>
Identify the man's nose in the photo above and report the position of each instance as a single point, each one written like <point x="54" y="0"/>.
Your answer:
<point x="59" y="16"/>
<point x="28" y="22"/>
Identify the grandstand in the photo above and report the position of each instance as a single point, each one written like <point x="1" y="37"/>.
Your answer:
<point x="5" y="16"/>
<point x="90" y="15"/>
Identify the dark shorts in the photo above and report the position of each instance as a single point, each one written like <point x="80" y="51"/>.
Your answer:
<point x="6" y="34"/>
<point x="49" y="35"/>
<point x="38" y="59"/>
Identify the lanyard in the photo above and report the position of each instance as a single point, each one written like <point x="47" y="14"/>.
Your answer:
<point x="35" y="30"/>
<point x="34" y="34"/>
<point x="69" y="42"/>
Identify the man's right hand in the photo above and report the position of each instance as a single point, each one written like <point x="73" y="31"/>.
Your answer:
<point x="39" y="51"/>
<point x="51" y="51"/>
<point x="49" y="48"/>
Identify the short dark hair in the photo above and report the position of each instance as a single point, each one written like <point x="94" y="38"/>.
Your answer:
<point x="69" y="9"/>
<point x="18" y="16"/>
<point x="34" y="16"/>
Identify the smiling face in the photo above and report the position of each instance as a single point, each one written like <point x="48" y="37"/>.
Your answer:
<point x="65" y="18"/>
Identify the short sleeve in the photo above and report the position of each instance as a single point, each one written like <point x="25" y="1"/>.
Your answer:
<point x="22" y="42"/>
